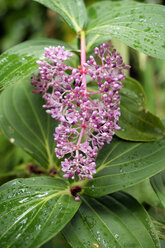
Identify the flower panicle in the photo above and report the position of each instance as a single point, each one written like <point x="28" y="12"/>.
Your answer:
<point x="86" y="123"/>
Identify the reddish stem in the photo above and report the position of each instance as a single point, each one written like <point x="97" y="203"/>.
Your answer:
<point x="83" y="60"/>
<point x="93" y="93"/>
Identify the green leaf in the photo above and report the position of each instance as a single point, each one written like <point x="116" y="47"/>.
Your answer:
<point x="122" y="164"/>
<point x="73" y="11"/>
<point x="136" y="122"/>
<point x="33" y="210"/>
<point x="95" y="40"/>
<point x="115" y="220"/>
<point x="140" y="26"/>
<point x="158" y="184"/>
<point x="20" y="61"/>
<point x="25" y="123"/>
<point x="144" y="193"/>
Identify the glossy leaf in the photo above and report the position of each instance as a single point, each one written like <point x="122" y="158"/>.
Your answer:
<point x="115" y="220"/>
<point x="33" y="210"/>
<point x="20" y="61"/>
<point x="136" y="122"/>
<point x="94" y="41"/>
<point x="25" y="123"/>
<point x="144" y="193"/>
<point x="122" y="164"/>
<point x="140" y="26"/>
<point x="158" y="184"/>
<point x="73" y="11"/>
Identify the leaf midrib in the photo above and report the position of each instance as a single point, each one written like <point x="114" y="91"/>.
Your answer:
<point x="118" y="217"/>
<point x="102" y="166"/>
<point x="139" y="158"/>
<point x="35" y="217"/>
<point x="130" y="172"/>
<point x="132" y="213"/>
<point x="104" y="224"/>
<point x="77" y="27"/>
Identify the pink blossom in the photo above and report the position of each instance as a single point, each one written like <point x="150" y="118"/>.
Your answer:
<point x="86" y="122"/>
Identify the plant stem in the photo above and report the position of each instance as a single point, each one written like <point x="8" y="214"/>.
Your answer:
<point x="83" y="60"/>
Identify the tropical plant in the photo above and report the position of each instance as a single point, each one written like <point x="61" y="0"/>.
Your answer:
<point x="75" y="158"/>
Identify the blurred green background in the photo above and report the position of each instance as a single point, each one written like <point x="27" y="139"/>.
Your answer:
<point x="21" y="20"/>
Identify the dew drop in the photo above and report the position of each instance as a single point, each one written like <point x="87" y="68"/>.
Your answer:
<point x="96" y="245"/>
<point x="42" y="195"/>
<point x="12" y="140"/>
<point x="3" y="60"/>
<point x="116" y="236"/>
<point x="18" y="236"/>
<point x="23" y="200"/>
<point x="38" y="227"/>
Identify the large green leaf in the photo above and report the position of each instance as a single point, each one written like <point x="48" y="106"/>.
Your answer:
<point x="115" y="220"/>
<point x="140" y="26"/>
<point x="33" y="210"/>
<point x="144" y="193"/>
<point x="25" y="123"/>
<point x="73" y="11"/>
<point x="136" y="122"/>
<point x="20" y="61"/>
<point x="158" y="184"/>
<point x="122" y="164"/>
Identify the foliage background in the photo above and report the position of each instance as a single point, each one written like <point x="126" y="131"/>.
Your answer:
<point x="22" y="20"/>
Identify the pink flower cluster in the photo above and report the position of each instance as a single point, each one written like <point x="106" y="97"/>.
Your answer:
<point x="88" y="119"/>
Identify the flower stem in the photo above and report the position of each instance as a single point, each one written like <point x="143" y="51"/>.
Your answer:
<point x="93" y="93"/>
<point x="83" y="59"/>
